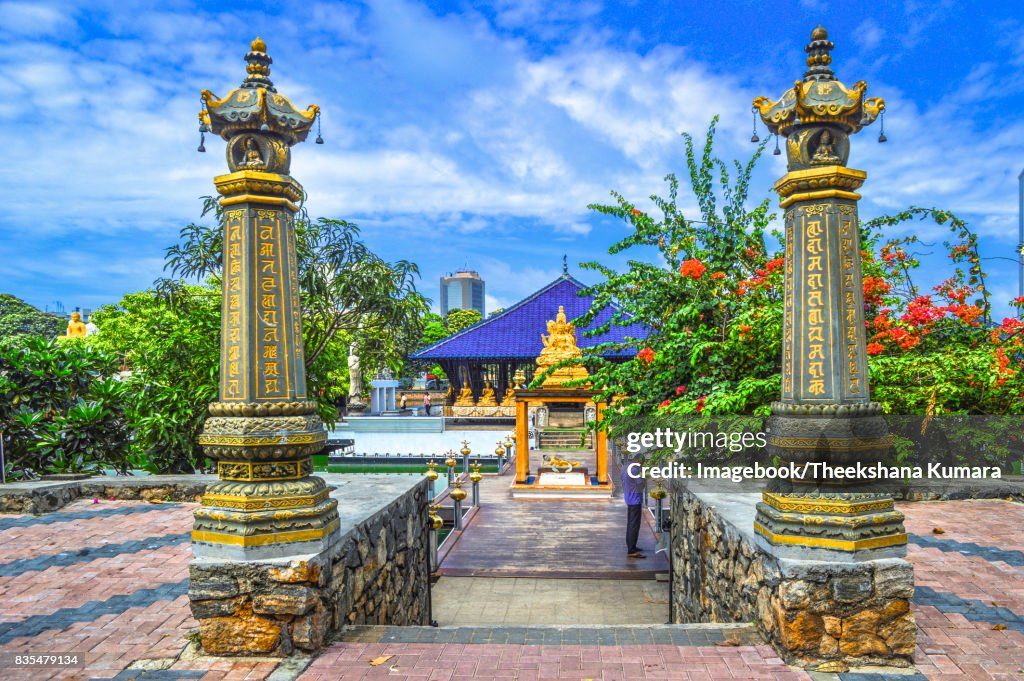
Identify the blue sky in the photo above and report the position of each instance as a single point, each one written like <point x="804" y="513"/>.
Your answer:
<point x="476" y="133"/>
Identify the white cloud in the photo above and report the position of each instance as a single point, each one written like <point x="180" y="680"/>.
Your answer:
<point x="447" y="135"/>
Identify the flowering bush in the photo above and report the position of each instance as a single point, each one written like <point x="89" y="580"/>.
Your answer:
<point x="715" y="342"/>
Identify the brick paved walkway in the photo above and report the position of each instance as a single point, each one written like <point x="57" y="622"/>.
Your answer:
<point x="969" y="579"/>
<point x="108" y="580"/>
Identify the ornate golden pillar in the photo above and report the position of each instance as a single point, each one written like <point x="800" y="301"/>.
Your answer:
<point x="826" y="417"/>
<point x="263" y="428"/>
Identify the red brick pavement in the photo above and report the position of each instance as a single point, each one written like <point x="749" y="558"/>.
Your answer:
<point x="951" y="646"/>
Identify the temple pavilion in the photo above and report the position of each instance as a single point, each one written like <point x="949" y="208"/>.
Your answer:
<point x="482" y="361"/>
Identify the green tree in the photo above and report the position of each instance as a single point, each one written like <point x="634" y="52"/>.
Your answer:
<point x="61" y="410"/>
<point x="348" y="294"/>
<point x="171" y="344"/>
<point x="687" y="295"/>
<point x="20" y="321"/>
<point x="713" y="296"/>
<point x="456" y="320"/>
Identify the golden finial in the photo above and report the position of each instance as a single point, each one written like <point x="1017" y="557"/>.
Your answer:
<point x="476" y="475"/>
<point x="500" y="449"/>
<point x="457" y="494"/>
<point x="819" y="33"/>
<point x="509" y="442"/>
<point x="431" y="474"/>
<point x="658" y="492"/>
<point x="465" y="448"/>
<point x="258" y="45"/>
<point x="435" y="519"/>
<point x="450" y="461"/>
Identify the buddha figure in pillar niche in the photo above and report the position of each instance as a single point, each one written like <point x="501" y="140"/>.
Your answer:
<point x="487" y="397"/>
<point x="76" y="329"/>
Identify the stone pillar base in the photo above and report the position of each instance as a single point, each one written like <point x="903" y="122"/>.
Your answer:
<point x="840" y="527"/>
<point x="813" y="611"/>
<point x="375" y="572"/>
<point x="266" y="503"/>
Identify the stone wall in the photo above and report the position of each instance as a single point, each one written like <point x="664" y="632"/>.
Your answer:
<point x="47" y="495"/>
<point x="811" y="611"/>
<point x="375" y="574"/>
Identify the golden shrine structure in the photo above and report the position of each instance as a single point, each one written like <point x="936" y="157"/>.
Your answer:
<point x="563" y="382"/>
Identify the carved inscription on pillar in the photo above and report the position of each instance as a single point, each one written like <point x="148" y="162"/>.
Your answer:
<point x="272" y="323"/>
<point x="855" y="382"/>
<point x="788" y="314"/>
<point x="823" y="326"/>
<point x="234" y="384"/>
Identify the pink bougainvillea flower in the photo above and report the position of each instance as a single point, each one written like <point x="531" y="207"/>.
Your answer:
<point x="646" y="355"/>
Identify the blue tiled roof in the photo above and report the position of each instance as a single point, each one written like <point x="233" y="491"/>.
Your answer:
<point x="515" y="333"/>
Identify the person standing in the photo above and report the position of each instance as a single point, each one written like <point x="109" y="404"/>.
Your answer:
<point x="426" y="404"/>
<point x="404" y="402"/>
<point x="633" y="495"/>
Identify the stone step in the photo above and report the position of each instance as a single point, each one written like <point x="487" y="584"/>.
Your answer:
<point x="697" y="634"/>
<point x="563" y="440"/>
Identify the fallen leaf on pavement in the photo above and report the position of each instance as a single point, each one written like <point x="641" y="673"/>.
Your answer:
<point x="998" y="627"/>
<point x="938" y="530"/>
<point x="377" y="661"/>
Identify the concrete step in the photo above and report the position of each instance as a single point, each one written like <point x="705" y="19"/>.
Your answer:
<point x="697" y="634"/>
<point x="563" y="440"/>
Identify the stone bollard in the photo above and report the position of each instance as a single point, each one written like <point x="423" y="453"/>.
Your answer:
<point x="458" y="495"/>
<point x="476" y="476"/>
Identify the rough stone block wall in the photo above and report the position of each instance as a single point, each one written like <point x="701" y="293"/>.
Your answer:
<point x="811" y="611"/>
<point x="376" y="574"/>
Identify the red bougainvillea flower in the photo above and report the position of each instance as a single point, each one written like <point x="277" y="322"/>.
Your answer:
<point x="700" y="403"/>
<point x="692" y="268"/>
<point x="718" y="275"/>
<point x="680" y="390"/>
<point x="646" y="355"/>
<point x="665" y="403"/>
<point x="635" y="212"/>
<point x="875" y="348"/>
<point x="874" y="289"/>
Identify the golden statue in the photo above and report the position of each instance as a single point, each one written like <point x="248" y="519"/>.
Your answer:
<point x="825" y="155"/>
<point x="253" y="158"/>
<point x="510" y="397"/>
<point x="555" y="462"/>
<point x="465" y="395"/>
<point x="487" y="398"/>
<point x="76" y="329"/>
<point x="560" y="345"/>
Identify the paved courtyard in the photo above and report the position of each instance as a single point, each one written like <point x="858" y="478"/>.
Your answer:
<point x="108" y="580"/>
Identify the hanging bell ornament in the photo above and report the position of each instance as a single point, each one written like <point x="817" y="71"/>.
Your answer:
<point x="777" y="151"/>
